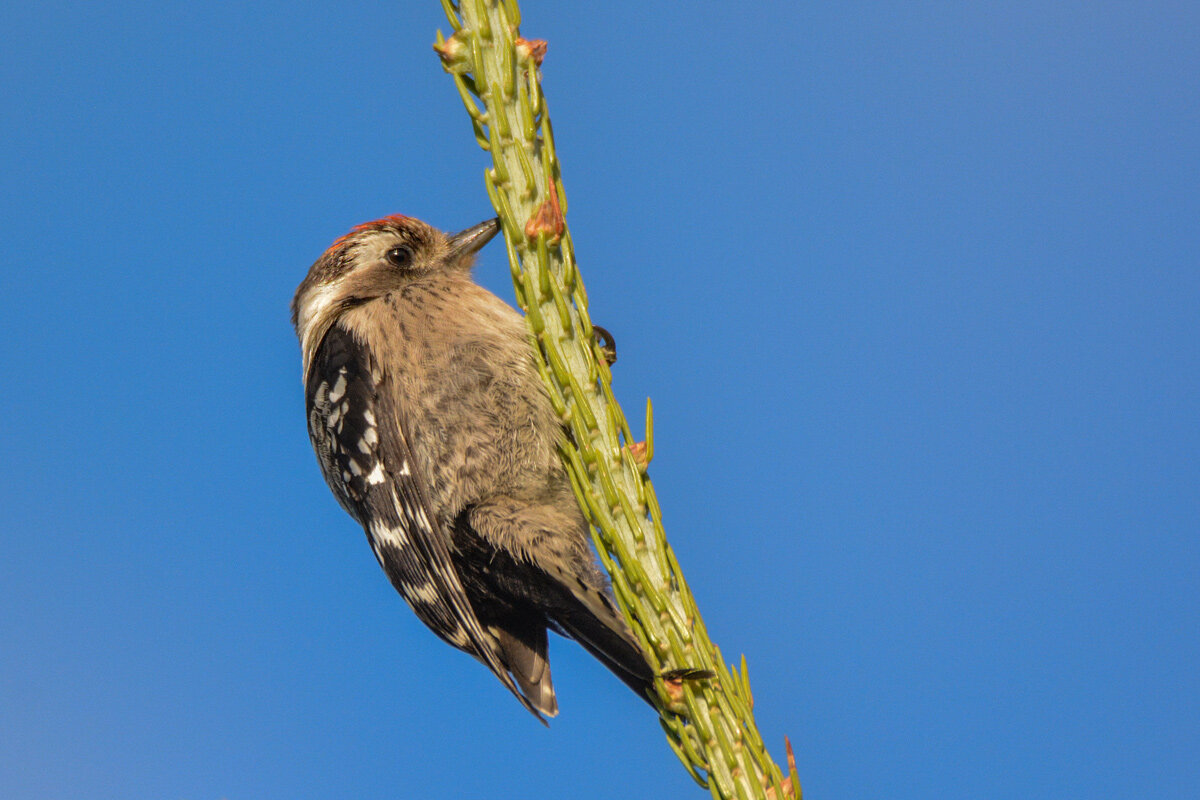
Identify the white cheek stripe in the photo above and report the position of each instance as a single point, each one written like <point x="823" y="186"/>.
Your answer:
<point x="312" y="307"/>
<point x="314" y="303"/>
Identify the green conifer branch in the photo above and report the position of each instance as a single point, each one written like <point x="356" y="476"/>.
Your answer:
<point x="709" y="723"/>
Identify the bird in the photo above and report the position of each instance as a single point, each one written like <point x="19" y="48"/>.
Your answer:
<point x="435" y="433"/>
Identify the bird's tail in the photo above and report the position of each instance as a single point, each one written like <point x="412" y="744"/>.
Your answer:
<point x="592" y="619"/>
<point x="586" y="613"/>
<point x="523" y="650"/>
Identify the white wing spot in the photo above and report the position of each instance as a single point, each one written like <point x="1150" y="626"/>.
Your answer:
<point x="339" y="388"/>
<point x="364" y="446"/>
<point x="393" y="536"/>
<point x="370" y="437"/>
<point x="369" y="416"/>
<point x="404" y="469"/>
<point x="406" y="512"/>
<point x="376" y="477"/>
<point x="426" y="593"/>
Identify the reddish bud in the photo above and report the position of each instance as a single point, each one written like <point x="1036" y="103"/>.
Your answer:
<point x="453" y="51"/>
<point x="788" y="789"/>
<point x="639" y="451"/>
<point x="531" y="49"/>
<point x="674" y="687"/>
<point x="548" y="219"/>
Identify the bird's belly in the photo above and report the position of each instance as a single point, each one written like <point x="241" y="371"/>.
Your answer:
<point x="487" y="434"/>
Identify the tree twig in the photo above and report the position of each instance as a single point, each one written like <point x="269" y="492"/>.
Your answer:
<point x="709" y="723"/>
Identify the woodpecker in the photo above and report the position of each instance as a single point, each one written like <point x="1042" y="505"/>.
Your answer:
<point x="435" y="433"/>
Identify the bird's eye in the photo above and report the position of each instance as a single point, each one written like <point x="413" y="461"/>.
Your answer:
<point x="399" y="257"/>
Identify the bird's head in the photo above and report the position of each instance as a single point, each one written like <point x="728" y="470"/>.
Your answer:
<point x="375" y="258"/>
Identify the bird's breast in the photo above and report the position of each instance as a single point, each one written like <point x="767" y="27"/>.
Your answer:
<point x="478" y="418"/>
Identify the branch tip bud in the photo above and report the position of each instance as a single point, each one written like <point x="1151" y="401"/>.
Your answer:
<point x="531" y="49"/>
<point x="454" y="54"/>
<point x="639" y="452"/>
<point x="789" y="791"/>
<point x="548" y="219"/>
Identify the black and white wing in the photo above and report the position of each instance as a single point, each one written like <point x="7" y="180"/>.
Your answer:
<point x="360" y="438"/>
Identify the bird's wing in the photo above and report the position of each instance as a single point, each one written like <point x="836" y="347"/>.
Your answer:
<point x="572" y="601"/>
<point x="361" y="440"/>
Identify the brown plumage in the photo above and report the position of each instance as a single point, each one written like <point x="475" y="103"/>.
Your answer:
<point x="435" y="433"/>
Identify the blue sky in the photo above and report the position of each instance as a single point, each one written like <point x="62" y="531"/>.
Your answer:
<point x="914" y="288"/>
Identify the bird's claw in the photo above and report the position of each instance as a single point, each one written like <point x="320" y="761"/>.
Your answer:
<point x="606" y="343"/>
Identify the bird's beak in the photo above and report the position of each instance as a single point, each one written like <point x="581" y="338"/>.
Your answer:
<point x="464" y="243"/>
